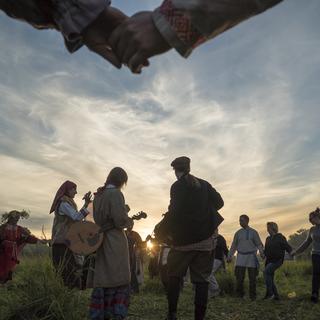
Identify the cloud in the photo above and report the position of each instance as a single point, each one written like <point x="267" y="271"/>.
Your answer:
<point x="243" y="107"/>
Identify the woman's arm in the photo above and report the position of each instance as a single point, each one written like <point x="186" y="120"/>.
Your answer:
<point x="66" y="209"/>
<point x="305" y="244"/>
<point x="70" y="17"/>
<point x="118" y="211"/>
<point x="185" y="24"/>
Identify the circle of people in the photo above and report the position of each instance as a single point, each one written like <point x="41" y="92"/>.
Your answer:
<point x="187" y="234"/>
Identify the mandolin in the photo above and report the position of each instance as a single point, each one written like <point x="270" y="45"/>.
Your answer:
<point x="85" y="237"/>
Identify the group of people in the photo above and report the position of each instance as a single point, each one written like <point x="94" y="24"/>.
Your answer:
<point x="247" y="242"/>
<point x="131" y="41"/>
<point x="188" y="233"/>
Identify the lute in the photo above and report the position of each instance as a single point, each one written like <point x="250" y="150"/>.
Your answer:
<point x="85" y="237"/>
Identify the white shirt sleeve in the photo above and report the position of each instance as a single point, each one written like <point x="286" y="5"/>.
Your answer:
<point x="73" y="16"/>
<point x="66" y="209"/>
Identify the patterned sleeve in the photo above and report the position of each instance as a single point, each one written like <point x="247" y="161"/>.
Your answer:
<point x="70" y="17"/>
<point x="185" y="24"/>
<point x="67" y="210"/>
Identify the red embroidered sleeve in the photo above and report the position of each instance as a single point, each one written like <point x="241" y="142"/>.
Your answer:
<point x="181" y="25"/>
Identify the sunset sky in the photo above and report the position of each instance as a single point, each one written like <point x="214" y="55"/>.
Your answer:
<point x="244" y="107"/>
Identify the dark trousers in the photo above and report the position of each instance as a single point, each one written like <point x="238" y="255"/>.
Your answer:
<point x="240" y="273"/>
<point x="315" y="274"/>
<point x="134" y="282"/>
<point x="65" y="265"/>
<point x="200" y="264"/>
<point x="269" y="278"/>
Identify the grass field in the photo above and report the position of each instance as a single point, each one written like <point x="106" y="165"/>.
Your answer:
<point x="36" y="293"/>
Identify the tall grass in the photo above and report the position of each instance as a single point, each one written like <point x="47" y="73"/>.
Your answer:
<point x="38" y="293"/>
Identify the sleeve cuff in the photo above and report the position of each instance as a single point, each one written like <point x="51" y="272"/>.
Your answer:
<point x="85" y="212"/>
<point x="177" y="28"/>
<point x="73" y="16"/>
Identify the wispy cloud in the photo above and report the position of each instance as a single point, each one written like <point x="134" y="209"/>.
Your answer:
<point x="243" y="107"/>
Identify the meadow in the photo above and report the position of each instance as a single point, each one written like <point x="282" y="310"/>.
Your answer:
<point x="37" y="293"/>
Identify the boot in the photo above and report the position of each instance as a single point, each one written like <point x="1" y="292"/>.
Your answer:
<point x="199" y="312"/>
<point x="171" y="316"/>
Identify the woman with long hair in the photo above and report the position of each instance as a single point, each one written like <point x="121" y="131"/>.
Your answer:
<point x="65" y="214"/>
<point x="110" y="277"/>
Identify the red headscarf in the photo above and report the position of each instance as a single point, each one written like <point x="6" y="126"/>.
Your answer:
<point x="62" y="191"/>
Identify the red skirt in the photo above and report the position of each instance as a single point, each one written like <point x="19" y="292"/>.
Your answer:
<point x="9" y="251"/>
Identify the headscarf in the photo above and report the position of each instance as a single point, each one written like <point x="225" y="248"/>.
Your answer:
<point x="61" y="193"/>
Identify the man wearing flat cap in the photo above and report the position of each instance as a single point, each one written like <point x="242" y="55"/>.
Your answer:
<point x="190" y="222"/>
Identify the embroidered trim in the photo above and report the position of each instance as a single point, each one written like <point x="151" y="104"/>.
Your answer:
<point x="181" y="24"/>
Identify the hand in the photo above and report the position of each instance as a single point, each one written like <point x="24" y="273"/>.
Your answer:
<point x="130" y="223"/>
<point x="136" y="40"/>
<point x="87" y="198"/>
<point x="229" y="259"/>
<point x="293" y="253"/>
<point x="43" y="241"/>
<point x="96" y="35"/>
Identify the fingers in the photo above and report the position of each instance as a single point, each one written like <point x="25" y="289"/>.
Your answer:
<point x="137" y="62"/>
<point x="115" y="39"/>
<point x="106" y="53"/>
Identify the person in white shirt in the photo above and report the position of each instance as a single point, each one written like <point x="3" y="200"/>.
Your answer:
<point x="246" y="242"/>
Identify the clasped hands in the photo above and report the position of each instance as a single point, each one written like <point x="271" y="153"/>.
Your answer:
<point x="123" y="40"/>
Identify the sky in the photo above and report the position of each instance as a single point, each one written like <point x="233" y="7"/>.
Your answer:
<point x="244" y="107"/>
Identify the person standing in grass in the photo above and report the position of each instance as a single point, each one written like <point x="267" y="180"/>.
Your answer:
<point x="110" y="275"/>
<point x="314" y="239"/>
<point x="221" y="251"/>
<point x="246" y="242"/>
<point x="65" y="214"/>
<point x="136" y="259"/>
<point x="12" y="240"/>
<point x="190" y="222"/>
<point x="275" y="247"/>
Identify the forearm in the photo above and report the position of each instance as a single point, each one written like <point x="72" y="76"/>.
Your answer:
<point x="304" y="246"/>
<point x="232" y="250"/>
<point x="38" y="13"/>
<point x="70" y="17"/>
<point x="185" y="24"/>
<point x="68" y="210"/>
<point x="32" y="239"/>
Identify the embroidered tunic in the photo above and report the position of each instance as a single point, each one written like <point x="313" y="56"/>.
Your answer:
<point x="246" y="242"/>
<point x="12" y="240"/>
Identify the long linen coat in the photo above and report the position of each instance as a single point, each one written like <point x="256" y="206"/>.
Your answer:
<point x="112" y="268"/>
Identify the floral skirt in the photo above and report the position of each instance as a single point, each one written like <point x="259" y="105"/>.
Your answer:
<point x="109" y="303"/>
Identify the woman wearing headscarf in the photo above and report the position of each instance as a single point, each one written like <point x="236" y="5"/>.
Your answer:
<point x="110" y="277"/>
<point x="12" y="240"/>
<point x="65" y="214"/>
<point x="275" y="248"/>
